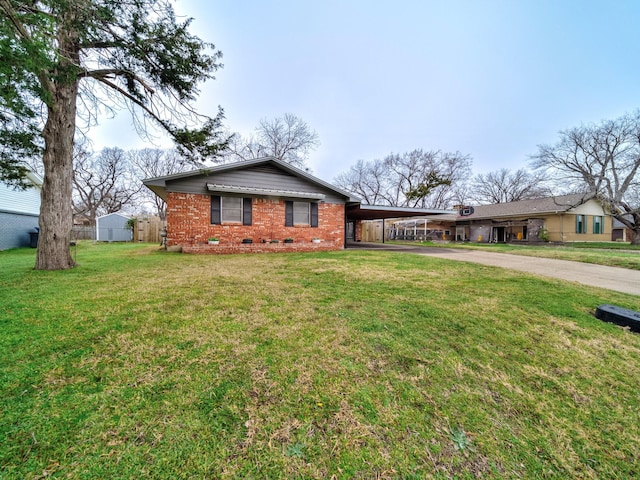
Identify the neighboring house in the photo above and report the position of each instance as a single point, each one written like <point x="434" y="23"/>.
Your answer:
<point x="620" y="232"/>
<point x="566" y="218"/>
<point x="265" y="201"/>
<point x="113" y="228"/>
<point x="19" y="212"/>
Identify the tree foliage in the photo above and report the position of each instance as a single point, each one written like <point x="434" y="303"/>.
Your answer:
<point x="429" y="183"/>
<point x="65" y="61"/>
<point x="504" y="185"/>
<point x="288" y="138"/>
<point x="423" y="179"/>
<point x="603" y="159"/>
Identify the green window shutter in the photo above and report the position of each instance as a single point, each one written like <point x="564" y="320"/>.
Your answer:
<point x="598" y="224"/>
<point x="314" y="214"/>
<point x="246" y="211"/>
<point x="216" y="218"/>
<point x="288" y="214"/>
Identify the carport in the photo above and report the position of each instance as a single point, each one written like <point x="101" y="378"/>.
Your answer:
<point x="356" y="213"/>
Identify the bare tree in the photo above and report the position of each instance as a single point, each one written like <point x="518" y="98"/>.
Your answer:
<point x="426" y="179"/>
<point x="154" y="162"/>
<point x="102" y="183"/>
<point x="366" y="180"/>
<point x="504" y="185"/>
<point x="603" y="158"/>
<point x="461" y="193"/>
<point x="288" y="138"/>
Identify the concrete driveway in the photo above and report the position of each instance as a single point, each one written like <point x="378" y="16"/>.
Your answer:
<point x="611" y="278"/>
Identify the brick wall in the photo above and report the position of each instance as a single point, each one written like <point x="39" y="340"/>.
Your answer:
<point x="189" y="226"/>
<point x="358" y="231"/>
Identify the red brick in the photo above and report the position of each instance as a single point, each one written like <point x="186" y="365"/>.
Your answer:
<point x="188" y="225"/>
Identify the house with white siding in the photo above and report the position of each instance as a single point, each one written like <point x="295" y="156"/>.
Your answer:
<point x="19" y="212"/>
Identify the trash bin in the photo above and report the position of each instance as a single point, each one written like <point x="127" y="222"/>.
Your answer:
<point x="34" y="239"/>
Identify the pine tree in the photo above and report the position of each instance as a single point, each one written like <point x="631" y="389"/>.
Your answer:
<point x="63" y="63"/>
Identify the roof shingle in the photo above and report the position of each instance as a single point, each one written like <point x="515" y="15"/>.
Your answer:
<point x="536" y="206"/>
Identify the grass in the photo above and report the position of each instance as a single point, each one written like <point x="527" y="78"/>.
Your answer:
<point x="613" y="254"/>
<point x="349" y="364"/>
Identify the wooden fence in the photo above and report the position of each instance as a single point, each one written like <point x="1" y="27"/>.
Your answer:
<point x="405" y="230"/>
<point x="80" y="232"/>
<point x="144" y="230"/>
<point x="148" y="230"/>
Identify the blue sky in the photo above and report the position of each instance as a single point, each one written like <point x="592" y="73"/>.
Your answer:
<point x="492" y="79"/>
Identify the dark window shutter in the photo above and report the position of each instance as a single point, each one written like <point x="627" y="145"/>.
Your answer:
<point x="314" y="214"/>
<point x="288" y="214"/>
<point x="215" y="210"/>
<point x="246" y="211"/>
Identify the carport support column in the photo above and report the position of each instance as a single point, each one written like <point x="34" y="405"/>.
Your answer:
<point x="383" y="227"/>
<point x="357" y="231"/>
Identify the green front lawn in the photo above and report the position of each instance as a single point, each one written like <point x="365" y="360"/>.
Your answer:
<point x="352" y="364"/>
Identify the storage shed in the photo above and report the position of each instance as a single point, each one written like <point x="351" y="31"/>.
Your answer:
<point x="113" y="228"/>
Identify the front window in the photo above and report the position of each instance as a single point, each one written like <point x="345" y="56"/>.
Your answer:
<point x="581" y="224"/>
<point x="301" y="213"/>
<point x="231" y="209"/>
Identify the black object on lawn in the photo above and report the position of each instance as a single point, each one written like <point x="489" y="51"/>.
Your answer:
<point x="619" y="316"/>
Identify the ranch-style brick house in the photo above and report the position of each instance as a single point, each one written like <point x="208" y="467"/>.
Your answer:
<point x="262" y="205"/>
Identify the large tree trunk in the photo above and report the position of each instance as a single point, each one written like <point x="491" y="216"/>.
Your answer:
<point x="56" y="211"/>
<point x="56" y="214"/>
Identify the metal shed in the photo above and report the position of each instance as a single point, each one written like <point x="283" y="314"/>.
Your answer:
<point x="113" y="228"/>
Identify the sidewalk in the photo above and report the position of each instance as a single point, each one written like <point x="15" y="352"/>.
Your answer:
<point x="611" y="278"/>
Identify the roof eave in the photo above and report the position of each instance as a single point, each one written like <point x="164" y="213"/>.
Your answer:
<point x="267" y="192"/>
<point x="162" y="181"/>
<point x="505" y="215"/>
